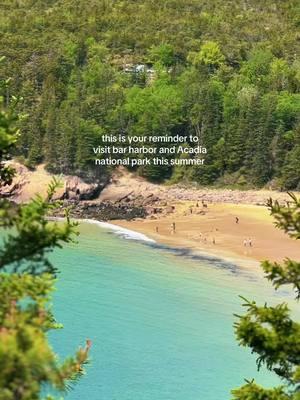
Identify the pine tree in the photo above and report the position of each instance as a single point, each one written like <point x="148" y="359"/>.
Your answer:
<point x="27" y="361"/>
<point x="263" y="160"/>
<point x="270" y="331"/>
<point x="291" y="168"/>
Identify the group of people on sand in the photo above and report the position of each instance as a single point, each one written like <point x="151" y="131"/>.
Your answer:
<point x="204" y="239"/>
<point x="248" y="242"/>
<point x="204" y="205"/>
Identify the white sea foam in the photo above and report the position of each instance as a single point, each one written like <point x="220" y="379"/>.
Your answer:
<point x="120" y="231"/>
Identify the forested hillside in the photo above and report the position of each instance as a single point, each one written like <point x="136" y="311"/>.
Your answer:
<point x="227" y="71"/>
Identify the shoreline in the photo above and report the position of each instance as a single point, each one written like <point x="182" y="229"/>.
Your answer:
<point x="211" y="233"/>
<point x="205" y="218"/>
<point x="227" y="259"/>
<point x="216" y="233"/>
<point x="182" y="251"/>
<point x="186" y="250"/>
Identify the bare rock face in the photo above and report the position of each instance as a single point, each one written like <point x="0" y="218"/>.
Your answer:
<point x="76" y="189"/>
<point x="27" y="183"/>
<point x="13" y="190"/>
<point x="9" y="191"/>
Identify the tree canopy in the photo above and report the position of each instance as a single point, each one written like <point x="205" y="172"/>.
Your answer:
<point x="225" y="71"/>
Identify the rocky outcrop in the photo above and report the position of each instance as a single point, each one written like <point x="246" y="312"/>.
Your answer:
<point x="128" y="186"/>
<point x="104" y="211"/>
<point x="127" y="196"/>
<point x="76" y="189"/>
<point x="28" y="183"/>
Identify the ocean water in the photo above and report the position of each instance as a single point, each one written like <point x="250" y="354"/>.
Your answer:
<point x="160" y="321"/>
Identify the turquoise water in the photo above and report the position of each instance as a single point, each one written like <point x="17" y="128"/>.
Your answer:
<point x="160" y="323"/>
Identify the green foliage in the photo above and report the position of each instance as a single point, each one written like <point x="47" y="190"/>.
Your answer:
<point x="251" y="391"/>
<point x="288" y="108"/>
<point x="153" y="110"/>
<point x="28" y="365"/>
<point x="33" y="236"/>
<point x="287" y="218"/>
<point x="8" y="135"/>
<point x="27" y="361"/>
<point x="213" y="69"/>
<point x="163" y="54"/>
<point x="269" y="331"/>
<point x="209" y="55"/>
<point x="257" y="68"/>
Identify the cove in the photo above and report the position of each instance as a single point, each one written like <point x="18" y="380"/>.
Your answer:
<point x="161" y="322"/>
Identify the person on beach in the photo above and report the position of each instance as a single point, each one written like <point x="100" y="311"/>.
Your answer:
<point x="250" y="242"/>
<point x="156" y="229"/>
<point x="237" y="220"/>
<point x="245" y="242"/>
<point x="173" y="227"/>
<point x="214" y="241"/>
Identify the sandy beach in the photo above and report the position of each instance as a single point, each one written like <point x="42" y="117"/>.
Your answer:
<point x="212" y="229"/>
<point x="253" y="238"/>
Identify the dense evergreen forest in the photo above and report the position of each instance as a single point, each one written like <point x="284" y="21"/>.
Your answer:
<point x="227" y="71"/>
